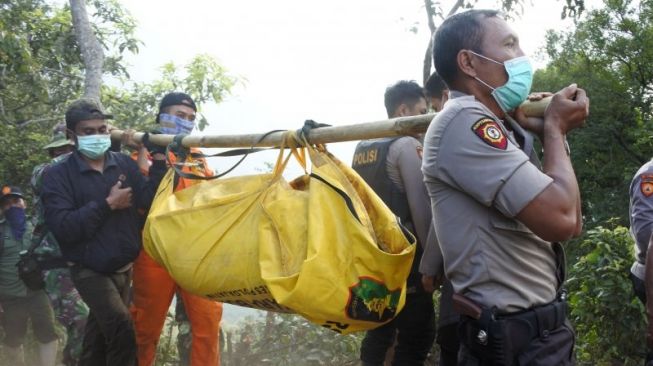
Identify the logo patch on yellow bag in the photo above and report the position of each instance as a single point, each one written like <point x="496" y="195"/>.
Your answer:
<point x="490" y="132"/>
<point x="371" y="300"/>
<point x="647" y="185"/>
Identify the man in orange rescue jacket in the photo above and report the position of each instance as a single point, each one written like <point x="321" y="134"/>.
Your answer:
<point x="153" y="287"/>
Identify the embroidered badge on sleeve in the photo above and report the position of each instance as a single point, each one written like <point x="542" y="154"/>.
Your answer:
<point x="490" y="132"/>
<point x="646" y="186"/>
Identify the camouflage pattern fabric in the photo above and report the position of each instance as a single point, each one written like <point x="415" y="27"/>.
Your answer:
<point x="69" y="309"/>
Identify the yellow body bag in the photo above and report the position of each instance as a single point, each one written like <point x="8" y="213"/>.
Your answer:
<point x="323" y="245"/>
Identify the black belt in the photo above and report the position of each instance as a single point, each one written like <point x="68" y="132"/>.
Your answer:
<point x="498" y="338"/>
<point x="541" y="319"/>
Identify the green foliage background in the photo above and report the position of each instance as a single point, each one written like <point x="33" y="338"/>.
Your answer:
<point x="609" y="54"/>
<point x="41" y="72"/>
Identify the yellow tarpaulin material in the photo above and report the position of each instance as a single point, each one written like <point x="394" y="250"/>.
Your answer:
<point x="323" y="246"/>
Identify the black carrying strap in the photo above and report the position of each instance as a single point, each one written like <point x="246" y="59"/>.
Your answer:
<point x="45" y="263"/>
<point x="309" y="125"/>
<point x="32" y="248"/>
<point x="182" y="152"/>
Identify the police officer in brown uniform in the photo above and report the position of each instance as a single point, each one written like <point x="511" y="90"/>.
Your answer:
<point x="391" y="166"/>
<point x="498" y="215"/>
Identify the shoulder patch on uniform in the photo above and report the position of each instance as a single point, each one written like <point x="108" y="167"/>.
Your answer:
<point x="490" y="132"/>
<point x="646" y="186"/>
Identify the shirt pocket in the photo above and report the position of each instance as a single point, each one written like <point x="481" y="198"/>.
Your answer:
<point x="501" y="222"/>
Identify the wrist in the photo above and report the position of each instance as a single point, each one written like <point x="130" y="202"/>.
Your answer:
<point x="552" y="136"/>
<point x="552" y="131"/>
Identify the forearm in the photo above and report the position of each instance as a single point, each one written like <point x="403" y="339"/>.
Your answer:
<point x="432" y="263"/>
<point x="148" y="186"/>
<point x="420" y="213"/>
<point x="142" y="159"/>
<point x="557" y="165"/>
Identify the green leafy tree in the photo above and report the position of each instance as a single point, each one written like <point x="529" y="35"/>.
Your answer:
<point x="134" y="105"/>
<point x="40" y="64"/>
<point x="41" y="71"/>
<point x="437" y="11"/>
<point x="609" y="54"/>
<point x="608" y="318"/>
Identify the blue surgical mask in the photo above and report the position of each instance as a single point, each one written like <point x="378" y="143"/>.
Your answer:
<point x="173" y="125"/>
<point x="17" y="221"/>
<point x="93" y="146"/>
<point x="520" y="78"/>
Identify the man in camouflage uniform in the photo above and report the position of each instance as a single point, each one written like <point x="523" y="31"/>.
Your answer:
<point x="69" y="309"/>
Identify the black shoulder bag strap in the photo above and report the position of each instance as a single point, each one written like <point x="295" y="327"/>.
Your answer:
<point x="49" y="262"/>
<point x="182" y="152"/>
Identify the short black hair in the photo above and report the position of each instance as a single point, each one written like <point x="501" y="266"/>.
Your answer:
<point x="403" y="91"/>
<point x="435" y="86"/>
<point x="172" y="99"/>
<point x="462" y="31"/>
<point x="84" y="109"/>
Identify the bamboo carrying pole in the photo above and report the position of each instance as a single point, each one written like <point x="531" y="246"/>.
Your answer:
<point x="385" y="128"/>
<point x="535" y="109"/>
<point x="369" y="130"/>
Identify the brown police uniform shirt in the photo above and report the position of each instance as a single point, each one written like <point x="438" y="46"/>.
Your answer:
<point x="478" y="180"/>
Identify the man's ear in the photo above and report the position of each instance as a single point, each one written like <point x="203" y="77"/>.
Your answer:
<point x="445" y="96"/>
<point x="466" y="63"/>
<point x="402" y="110"/>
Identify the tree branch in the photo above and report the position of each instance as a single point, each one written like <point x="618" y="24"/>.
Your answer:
<point x="45" y="119"/>
<point x="428" y="59"/>
<point x="455" y="7"/>
<point x="431" y="14"/>
<point x="638" y="158"/>
<point x="92" y="52"/>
